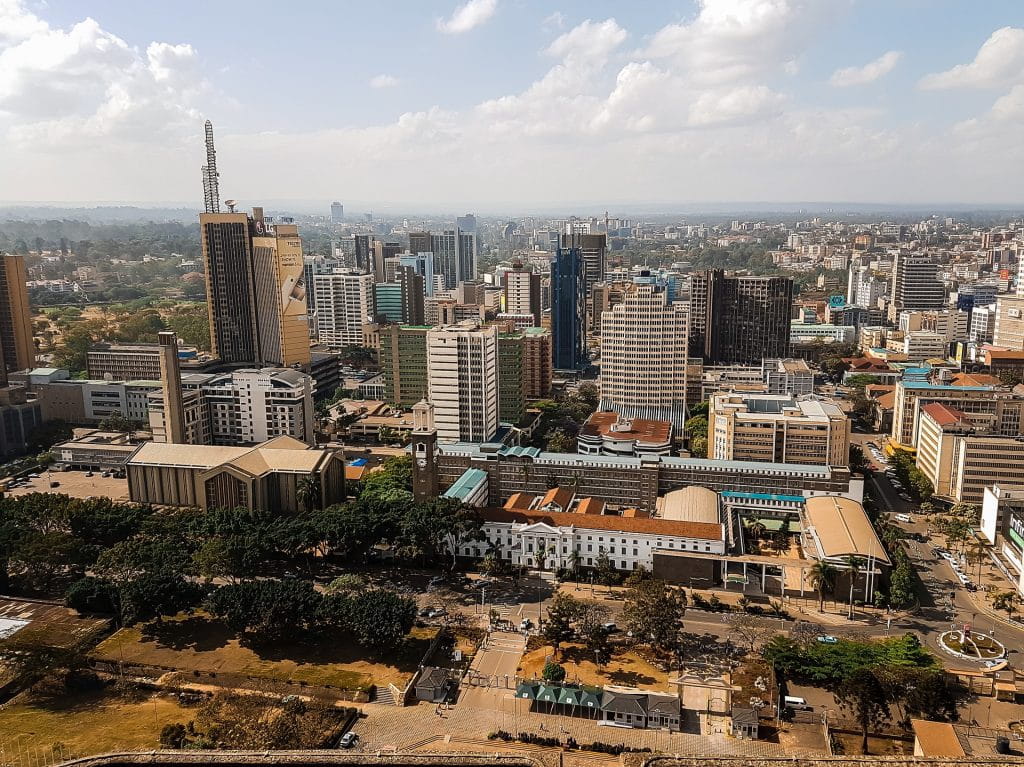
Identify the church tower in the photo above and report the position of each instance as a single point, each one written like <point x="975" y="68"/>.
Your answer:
<point x="424" y="452"/>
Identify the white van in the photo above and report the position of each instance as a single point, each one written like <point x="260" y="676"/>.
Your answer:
<point x="794" y="702"/>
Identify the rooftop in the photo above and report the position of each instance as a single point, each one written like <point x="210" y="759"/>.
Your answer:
<point x="610" y="424"/>
<point x="690" y="504"/>
<point x="841" y="528"/>
<point x="466" y="484"/>
<point x="943" y="414"/>
<point x="698" y="530"/>
<point x="279" y="454"/>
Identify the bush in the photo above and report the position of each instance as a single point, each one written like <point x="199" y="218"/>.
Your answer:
<point x="92" y="595"/>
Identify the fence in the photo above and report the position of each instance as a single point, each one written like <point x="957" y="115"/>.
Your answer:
<point x="17" y="753"/>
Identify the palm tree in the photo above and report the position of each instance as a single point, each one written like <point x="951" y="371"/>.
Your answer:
<point x="756" y="528"/>
<point x="854" y="564"/>
<point x="307" y="492"/>
<point x="976" y="553"/>
<point x="822" y="577"/>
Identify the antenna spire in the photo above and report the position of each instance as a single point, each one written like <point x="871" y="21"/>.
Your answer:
<point x="211" y="190"/>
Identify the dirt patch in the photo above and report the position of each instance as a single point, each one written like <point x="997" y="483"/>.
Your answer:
<point x="626" y="668"/>
<point x="850" y="744"/>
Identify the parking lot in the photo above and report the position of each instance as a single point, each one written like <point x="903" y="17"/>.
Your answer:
<point x="73" y="483"/>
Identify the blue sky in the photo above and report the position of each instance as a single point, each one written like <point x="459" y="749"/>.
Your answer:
<point x="492" y="103"/>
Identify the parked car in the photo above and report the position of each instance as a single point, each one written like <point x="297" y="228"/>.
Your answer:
<point x="827" y="639"/>
<point x="348" y="740"/>
<point x="906" y="497"/>
<point x="904" y="518"/>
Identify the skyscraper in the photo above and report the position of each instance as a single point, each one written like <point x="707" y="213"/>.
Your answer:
<point x="644" y="342"/>
<point x="462" y="381"/>
<point x="522" y="292"/>
<point x="915" y="284"/>
<point x="412" y="285"/>
<point x="337" y="213"/>
<point x="281" y="293"/>
<point x="364" y="252"/>
<point x="739" y="319"/>
<point x="344" y="303"/>
<point x="593" y="250"/>
<point x="454" y="257"/>
<point x="568" y="310"/>
<point x="16" y="345"/>
<point x="230" y="288"/>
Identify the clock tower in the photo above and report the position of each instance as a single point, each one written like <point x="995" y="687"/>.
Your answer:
<point x="424" y="452"/>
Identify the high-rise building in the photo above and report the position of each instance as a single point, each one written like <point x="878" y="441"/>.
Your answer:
<point x="522" y="292"/>
<point x="423" y="264"/>
<point x="511" y="381"/>
<point x="915" y="284"/>
<point x="345" y="302"/>
<point x="568" y="310"/>
<point x="454" y="257"/>
<point x="593" y="250"/>
<point x="537" y="362"/>
<point x="1008" y="327"/>
<point x="16" y="343"/>
<point x="462" y="381"/>
<point x="230" y="287"/>
<point x="739" y="319"/>
<point x="420" y="242"/>
<point x="403" y="363"/>
<point x="387" y="299"/>
<point x="170" y="384"/>
<point x="644" y="345"/>
<point x="280" y="289"/>
<point x="363" y="252"/>
<point x="411" y="286"/>
<point x="382" y="252"/>
<point x="337" y="213"/>
<point x="313" y="265"/>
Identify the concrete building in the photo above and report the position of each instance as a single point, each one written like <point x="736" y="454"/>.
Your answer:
<point x="462" y="381"/>
<point x="644" y="343"/>
<point x="170" y="387"/>
<point x="121" y="362"/>
<point x="915" y="284"/>
<point x="267" y="477"/>
<point x="593" y="250"/>
<point x="454" y="256"/>
<point x="739" y="319"/>
<point x="607" y="433"/>
<point x="17" y="347"/>
<point x="793" y="377"/>
<point x="511" y="381"/>
<point x="536" y="369"/>
<point x="834" y="529"/>
<point x="777" y="429"/>
<point x="921" y="345"/>
<point x="403" y="363"/>
<point x="344" y="303"/>
<point x="1008" y="330"/>
<point x="999" y="409"/>
<point x="522" y="292"/>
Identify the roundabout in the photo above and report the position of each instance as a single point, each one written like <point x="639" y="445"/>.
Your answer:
<point x="973" y="646"/>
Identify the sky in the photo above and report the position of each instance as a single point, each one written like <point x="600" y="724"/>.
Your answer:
<point x="502" y="104"/>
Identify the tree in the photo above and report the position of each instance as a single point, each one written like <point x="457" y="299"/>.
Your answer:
<point x="118" y="422"/>
<point x="563" y="610"/>
<point x="822" y="577"/>
<point x="379" y="618"/>
<point x="864" y="696"/>
<point x="154" y="595"/>
<point x="553" y="672"/>
<point x="605" y="570"/>
<point x="1005" y="601"/>
<point x="697" y="430"/>
<point x="858" y="461"/>
<point x="47" y="434"/>
<point x="590" y="629"/>
<point x="747" y="627"/>
<point x="92" y="595"/>
<point x="559" y="441"/>
<point x="654" y="613"/>
<point x="273" y="610"/>
<point x="307" y="492"/>
<point x="853" y="565"/>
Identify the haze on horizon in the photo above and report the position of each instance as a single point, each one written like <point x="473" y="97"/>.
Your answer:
<point x="487" y="104"/>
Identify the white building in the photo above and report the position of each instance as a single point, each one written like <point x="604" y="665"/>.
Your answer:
<point x="644" y="349"/>
<point x="925" y="345"/>
<point x="462" y="381"/>
<point x="344" y="303"/>
<point x="839" y="333"/>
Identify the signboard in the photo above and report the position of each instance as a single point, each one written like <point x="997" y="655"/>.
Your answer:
<point x="836" y="302"/>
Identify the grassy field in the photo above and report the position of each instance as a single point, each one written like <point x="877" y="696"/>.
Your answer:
<point x="625" y="668"/>
<point x="85" y="723"/>
<point x="197" y="643"/>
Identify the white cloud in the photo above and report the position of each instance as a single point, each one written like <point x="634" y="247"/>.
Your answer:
<point x="555" y="21"/>
<point x="468" y="16"/>
<point x="383" y="81"/>
<point x="589" y="40"/>
<point x="873" y="70"/>
<point x="66" y="87"/>
<point x="999" y="62"/>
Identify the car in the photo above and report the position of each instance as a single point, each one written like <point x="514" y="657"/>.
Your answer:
<point x="437" y="580"/>
<point x="435" y="612"/>
<point x="872" y="445"/>
<point x="88" y="473"/>
<point x="827" y="639"/>
<point x="994" y="663"/>
<point x="525" y="624"/>
<point x="906" y="497"/>
<point x="348" y="740"/>
<point x="904" y="518"/>
<point x="610" y="627"/>
<point x="54" y="483"/>
<point x="970" y="587"/>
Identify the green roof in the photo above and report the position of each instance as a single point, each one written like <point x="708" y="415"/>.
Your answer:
<point x="466" y="484"/>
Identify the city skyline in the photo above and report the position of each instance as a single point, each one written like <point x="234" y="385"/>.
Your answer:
<point x="728" y="101"/>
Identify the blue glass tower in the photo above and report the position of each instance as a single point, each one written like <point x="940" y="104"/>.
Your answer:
<point x="568" y="310"/>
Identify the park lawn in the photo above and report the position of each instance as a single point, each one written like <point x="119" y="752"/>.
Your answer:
<point x="87" y="723"/>
<point x="197" y="643"/>
<point x="626" y="668"/>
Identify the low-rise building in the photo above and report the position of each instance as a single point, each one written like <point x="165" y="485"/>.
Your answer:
<point x="778" y="429"/>
<point x="607" y="433"/>
<point x="94" y="450"/>
<point x="268" y="477"/>
<point x="834" y="529"/>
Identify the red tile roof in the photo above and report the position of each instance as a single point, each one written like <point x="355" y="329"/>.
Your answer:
<point x="943" y="414"/>
<point x="700" y="530"/>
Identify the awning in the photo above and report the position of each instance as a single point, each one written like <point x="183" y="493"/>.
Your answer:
<point x="569" y="696"/>
<point x="527" y="690"/>
<point x="590" y="698"/>
<point x="547" y="693"/>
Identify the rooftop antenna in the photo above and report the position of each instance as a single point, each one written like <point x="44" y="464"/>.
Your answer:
<point x="231" y="205"/>
<point x="211" y="190"/>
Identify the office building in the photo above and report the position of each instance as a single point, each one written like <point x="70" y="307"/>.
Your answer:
<point x="387" y="302"/>
<point x="1008" y="329"/>
<point x="363" y="255"/>
<point x="420" y="242"/>
<point x="921" y="345"/>
<point x="312" y="266"/>
<point x="263" y="478"/>
<point x="739" y="319"/>
<point x="537" y="362"/>
<point x="593" y="250"/>
<point x="915" y="284"/>
<point x="381" y="256"/>
<point x="422" y="264"/>
<point x="20" y="415"/>
<point x="568" y="310"/>
<point x="608" y="433"/>
<point x="411" y="294"/>
<point x="462" y="381"/>
<point x="777" y="429"/>
<point x="454" y="256"/>
<point x="522" y="292"/>
<point x="280" y="290"/>
<point x="123" y="362"/>
<point x="644" y="344"/>
<point x="403" y="363"/>
<point x="998" y="409"/>
<point x="511" y="381"/>
<point x="793" y="377"/>
<point x="345" y="302"/>
<point x="84" y="401"/>
<point x="865" y="287"/>
<point x="337" y="213"/>
<point x="230" y="290"/>
<point x="16" y="342"/>
<point x="170" y="386"/>
<point x="603" y="297"/>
